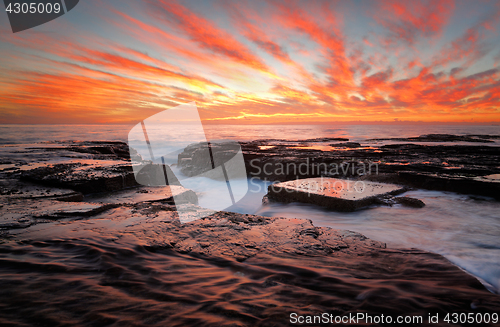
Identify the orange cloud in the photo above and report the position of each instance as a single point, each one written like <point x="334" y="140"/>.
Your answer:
<point x="260" y="63"/>
<point x="411" y="20"/>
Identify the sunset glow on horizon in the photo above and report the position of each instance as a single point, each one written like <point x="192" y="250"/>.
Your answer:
<point x="256" y="62"/>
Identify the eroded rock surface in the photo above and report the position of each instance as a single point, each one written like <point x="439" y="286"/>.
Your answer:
<point x="230" y="268"/>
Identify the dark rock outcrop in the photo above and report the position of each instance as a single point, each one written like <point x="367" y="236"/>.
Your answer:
<point x="279" y="160"/>
<point x="83" y="178"/>
<point x="444" y="138"/>
<point x="202" y="157"/>
<point x="346" y="145"/>
<point x="451" y="183"/>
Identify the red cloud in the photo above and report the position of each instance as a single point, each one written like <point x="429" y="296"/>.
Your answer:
<point x="206" y="34"/>
<point x="407" y="21"/>
<point x="176" y="55"/>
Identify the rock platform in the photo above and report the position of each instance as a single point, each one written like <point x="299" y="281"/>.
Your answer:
<point x="333" y="193"/>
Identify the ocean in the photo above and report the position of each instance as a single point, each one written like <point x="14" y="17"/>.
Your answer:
<point x="18" y="134"/>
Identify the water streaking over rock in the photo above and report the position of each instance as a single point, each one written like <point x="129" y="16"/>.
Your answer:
<point x="462" y="228"/>
<point x="137" y="265"/>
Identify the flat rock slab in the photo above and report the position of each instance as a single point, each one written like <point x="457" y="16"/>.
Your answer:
<point x="70" y="209"/>
<point x="147" y="194"/>
<point x="84" y="167"/>
<point x="333" y="193"/>
<point x="92" y="177"/>
<point x="15" y="189"/>
<point x="22" y="213"/>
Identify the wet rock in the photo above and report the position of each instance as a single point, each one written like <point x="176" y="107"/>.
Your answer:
<point x="314" y="140"/>
<point x="225" y="234"/>
<point x="444" y="138"/>
<point x="19" y="213"/>
<point x="16" y="189"/>
<point x="410" y="202"/>
<point x="73" y="197"/>
<point x="154" y="175"/>
<point x="485" y="136"/>
<point x="84" y="178"/>
<point x="85" y="167"/>
<point x="104" y="166"/>
<point x="459" y="184"/>
<point x="5" y="225"/>
<point x="110" y="149"/>
<point x="336" y="194"/>
<point x="97" y="150"/>
<point x="73" y="209"/>
<point x="163" y="194"/>
<point x="267" y="266"/>
<point x="202" y="158"/>
<point x="324" y="139"/>
<point x="346" y="145"/>
<point x="274" y="161"/>
<point x="195" y="159"/>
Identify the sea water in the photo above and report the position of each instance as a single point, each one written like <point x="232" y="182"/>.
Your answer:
<point x="16" y="134"/>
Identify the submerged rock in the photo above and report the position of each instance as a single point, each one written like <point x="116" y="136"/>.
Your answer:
<point x="346" y="145"/>
<point x="445" y="138"/>
<point x="410" y="202"/>
<point x="324" y="139"/>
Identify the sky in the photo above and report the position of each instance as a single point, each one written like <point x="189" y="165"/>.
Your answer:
<point x="256" y="62"/>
